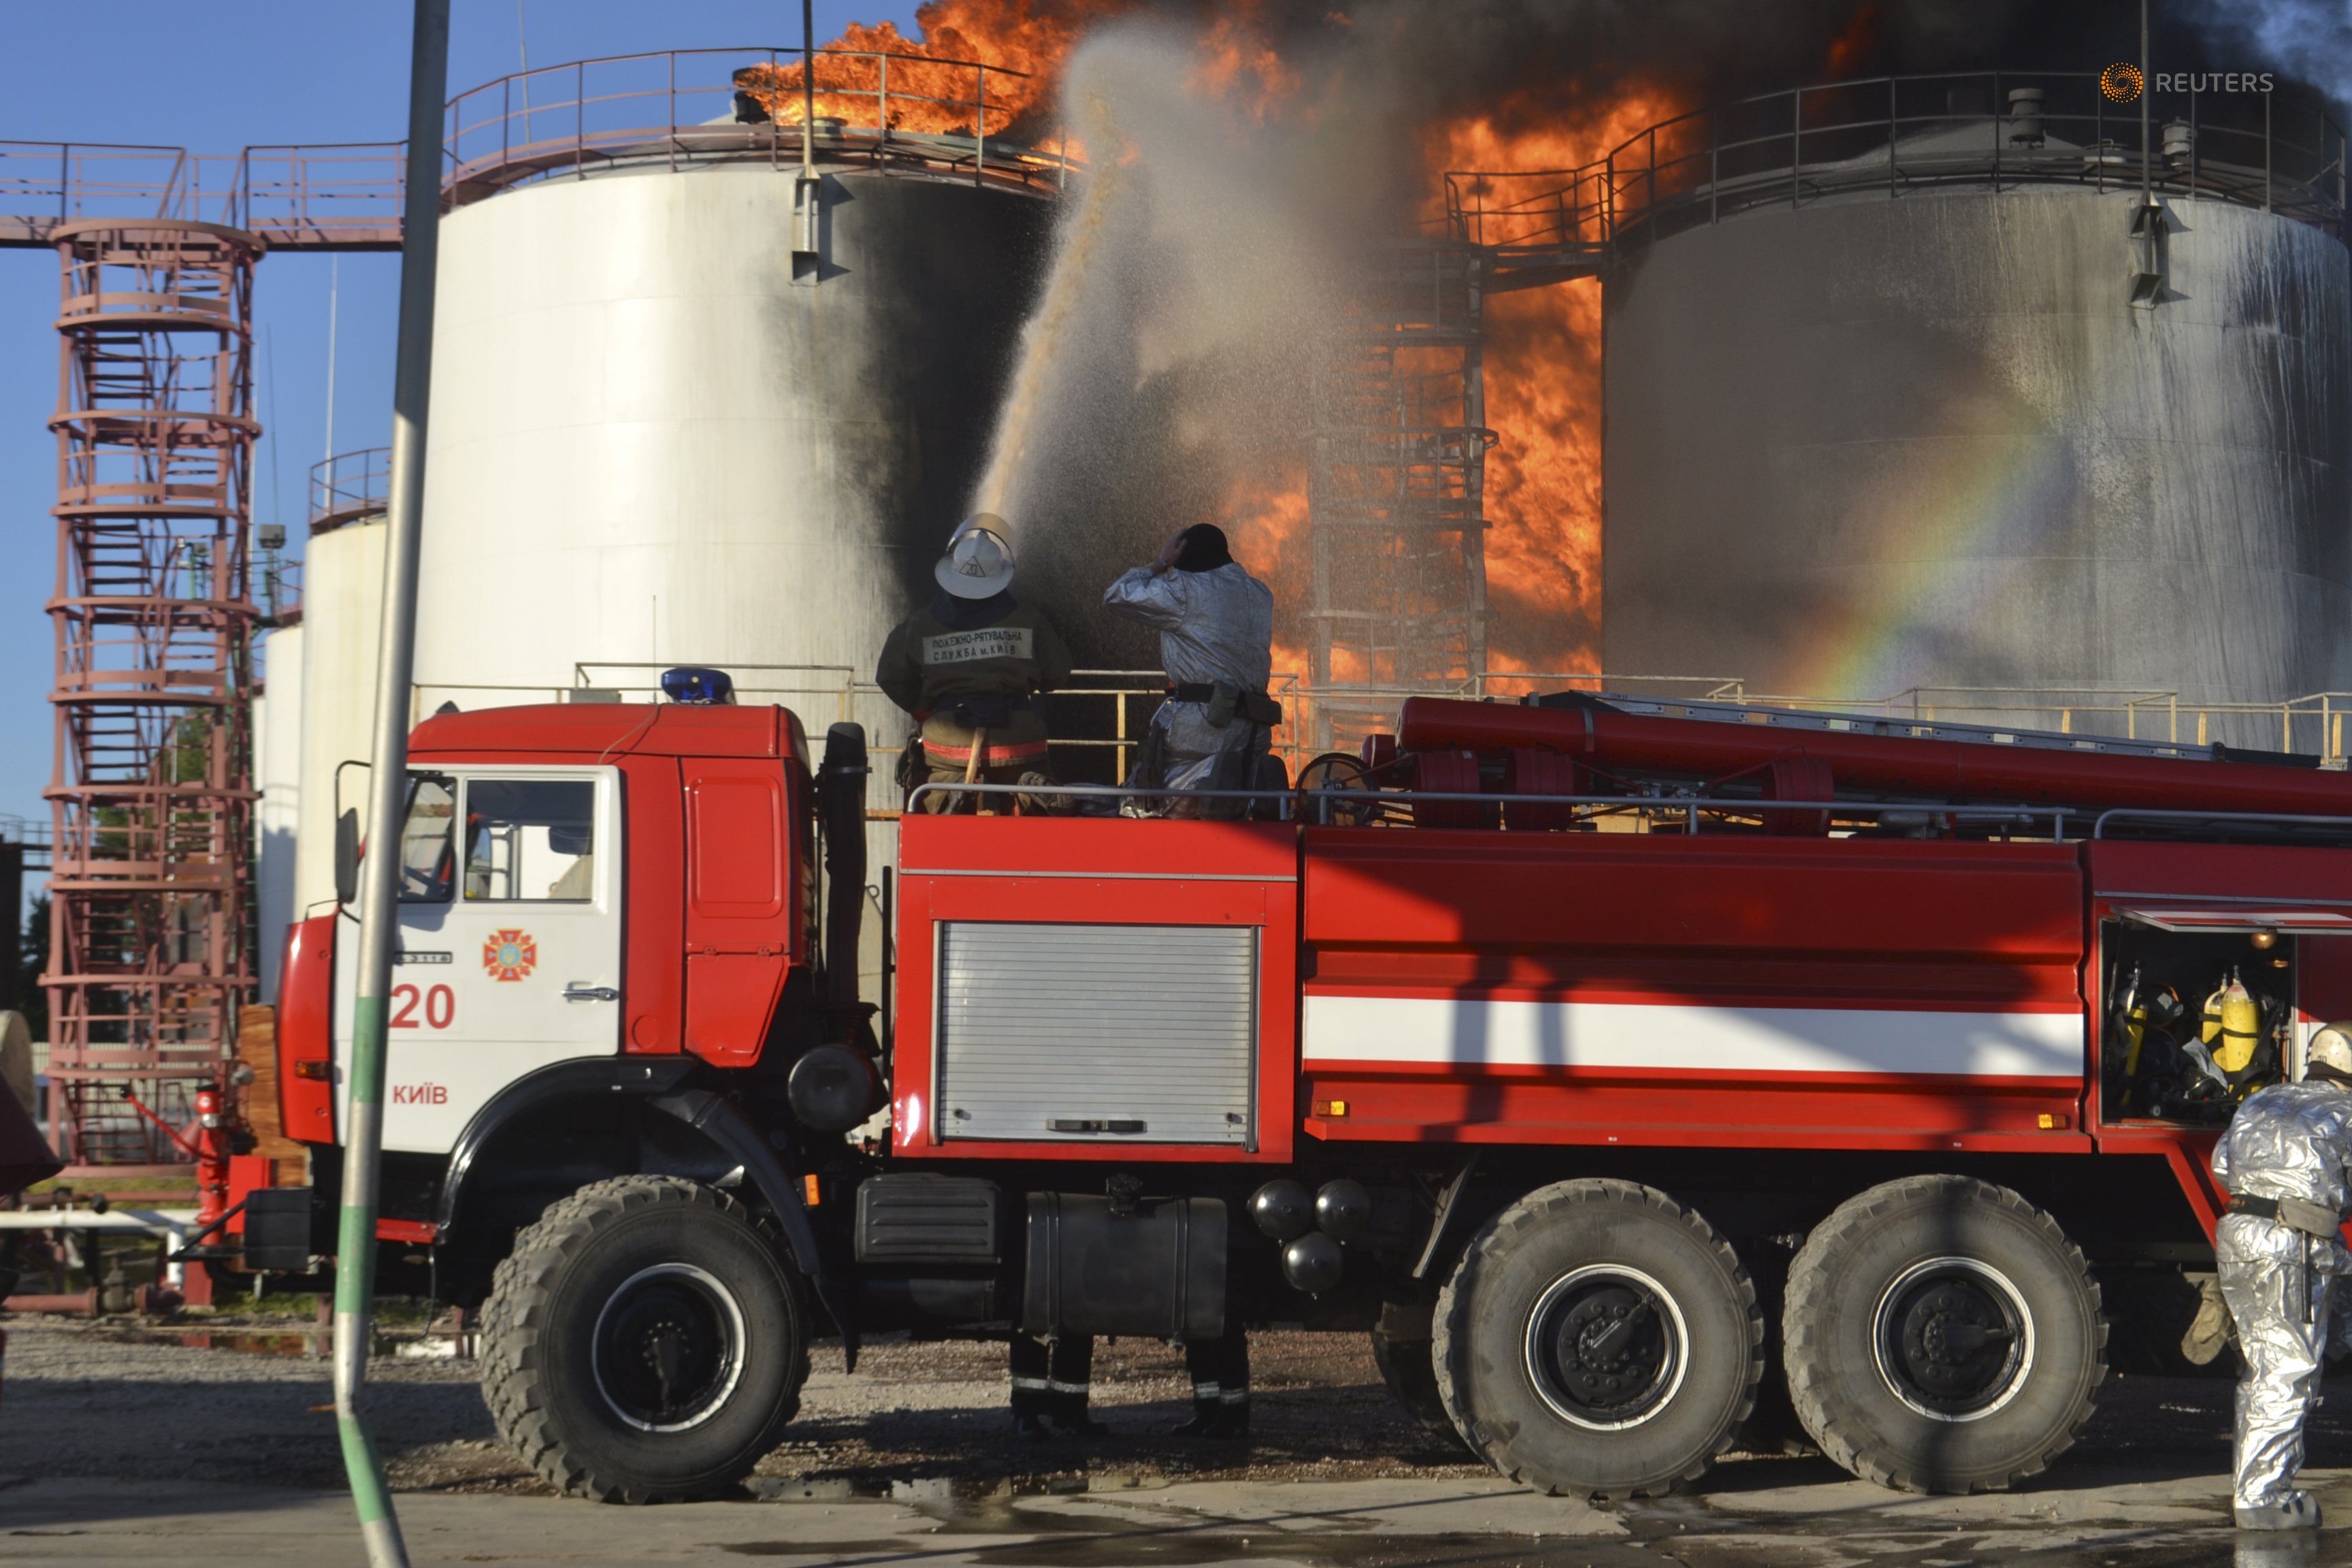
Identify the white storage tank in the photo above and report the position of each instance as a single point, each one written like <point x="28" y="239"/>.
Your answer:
<point x="660" y="436"/>
<point x="1927" y="413"/>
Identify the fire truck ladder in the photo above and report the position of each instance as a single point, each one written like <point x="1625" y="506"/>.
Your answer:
<point x="1394" y="505"/>
<point x="151" y="794"/>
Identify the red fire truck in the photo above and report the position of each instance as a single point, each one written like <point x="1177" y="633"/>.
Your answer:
<point x="1617" y="1065"/>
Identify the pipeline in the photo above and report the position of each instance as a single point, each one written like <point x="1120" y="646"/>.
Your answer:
<point x="1949" y="771"/>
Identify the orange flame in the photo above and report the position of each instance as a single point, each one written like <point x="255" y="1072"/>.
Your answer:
<point x="1023" y="42"/>
<point x="1264" y="520"/>
<point x="1543" y="399"/>
<point x="1542" y="348"/>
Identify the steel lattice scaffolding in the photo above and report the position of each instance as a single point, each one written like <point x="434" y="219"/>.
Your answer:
<point x="152" y="794"/>
<point x="1395" y="504"/>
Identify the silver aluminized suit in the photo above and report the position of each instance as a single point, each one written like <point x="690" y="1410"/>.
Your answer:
<point x="2290" y="1141"/>
<point x="1213" y="626"/>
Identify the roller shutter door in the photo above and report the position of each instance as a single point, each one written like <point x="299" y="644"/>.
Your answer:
<point x="1052" y="1032"/>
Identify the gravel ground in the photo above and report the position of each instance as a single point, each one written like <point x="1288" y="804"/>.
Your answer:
<point x="92" y="1400"/>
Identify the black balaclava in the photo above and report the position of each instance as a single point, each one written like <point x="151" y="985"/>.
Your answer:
<point x="1204" y="549"/>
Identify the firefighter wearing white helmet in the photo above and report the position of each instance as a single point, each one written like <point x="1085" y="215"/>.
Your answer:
<point x="969" y="665"/>
<point x="2287" y="1164"/>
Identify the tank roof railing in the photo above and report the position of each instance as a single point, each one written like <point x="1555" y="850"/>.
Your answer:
<point x="349" y="486"/>
<point x="1900" y="135"/>
<point x="685" y="107"/>
<point x="897" y="108"/>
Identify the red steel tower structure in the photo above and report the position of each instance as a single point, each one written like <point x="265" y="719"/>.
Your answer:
<point x="150" y="926"/>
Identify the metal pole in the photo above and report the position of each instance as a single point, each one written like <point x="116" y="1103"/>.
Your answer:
<point x="808" y="90"/>
<point x="428" y="74"/>
<point x="2146" y="90"/>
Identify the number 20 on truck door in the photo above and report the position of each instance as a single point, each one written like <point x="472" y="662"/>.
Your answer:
<point x="413" y="1007"/>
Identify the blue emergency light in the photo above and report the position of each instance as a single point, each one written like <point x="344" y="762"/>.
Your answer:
<point x="690" y="683"/>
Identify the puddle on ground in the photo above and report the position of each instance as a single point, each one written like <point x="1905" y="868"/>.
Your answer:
<point x="1178" y="1544"/>
<point x="982" y="1521"/>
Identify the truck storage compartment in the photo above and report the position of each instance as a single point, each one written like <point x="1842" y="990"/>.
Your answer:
<point x="1069" y="1033"/>
<point x="1155" y="1267"/>
<point x="2199" y="1011"/>
<point x="922" y="1219"/>
<point x="929" y="1251"/>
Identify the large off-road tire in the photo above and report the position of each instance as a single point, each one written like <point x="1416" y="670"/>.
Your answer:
<point x="644" y="1343"/>
<point x="1942" y="1335"/>
<point x="1410" y="1373"/>
<point x="1599" y="1339"/>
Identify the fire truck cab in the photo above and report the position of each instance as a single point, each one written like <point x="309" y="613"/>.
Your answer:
<point x="1633" y="1075"/>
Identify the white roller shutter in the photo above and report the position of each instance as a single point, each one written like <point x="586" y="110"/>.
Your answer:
<point x="1098" y="1033"/>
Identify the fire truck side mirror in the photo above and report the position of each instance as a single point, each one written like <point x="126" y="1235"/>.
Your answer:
<point x="347" y="857"/>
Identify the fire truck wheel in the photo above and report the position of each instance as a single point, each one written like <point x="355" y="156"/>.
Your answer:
<point x="1599" y="1339"/>
<point x="644" y="1343"/>
<point x="1942" y="1335"/>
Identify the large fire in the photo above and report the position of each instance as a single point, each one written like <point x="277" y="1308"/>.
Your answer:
<point x="1542" y="345"/>
<point x="1543" y="401"/>
<point x="933" y="88"/>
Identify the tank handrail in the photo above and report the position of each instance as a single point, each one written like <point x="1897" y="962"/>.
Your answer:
<point x="790" y="53"/>
<point x="492" y="134"/>
<point x="348" y="485"/>
<point x="1594" y="206"/>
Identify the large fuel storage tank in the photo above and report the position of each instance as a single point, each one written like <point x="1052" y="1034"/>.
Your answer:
<point x="1931" y="413"/>
<point x="674" y="422"/>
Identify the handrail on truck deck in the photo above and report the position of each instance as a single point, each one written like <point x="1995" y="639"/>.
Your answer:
<point x="1688" y="806"/>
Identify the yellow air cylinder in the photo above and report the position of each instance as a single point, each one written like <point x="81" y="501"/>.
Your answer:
<point x="2242" y="1024"/>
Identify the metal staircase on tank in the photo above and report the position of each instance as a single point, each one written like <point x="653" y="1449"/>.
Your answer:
<point x="1396" y="485"/>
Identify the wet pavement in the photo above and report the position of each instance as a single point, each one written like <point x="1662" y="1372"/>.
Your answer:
<point x="114" y="1452"/>
<point x="1801" y="1515"/>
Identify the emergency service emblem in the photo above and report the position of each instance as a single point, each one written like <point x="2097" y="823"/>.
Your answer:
<point x="510" y="954"/>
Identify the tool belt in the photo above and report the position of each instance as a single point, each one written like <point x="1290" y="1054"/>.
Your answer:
<point x="1226" y="700"/>
<point x="2312" y="1219"/>
<point x="985" y="711"/>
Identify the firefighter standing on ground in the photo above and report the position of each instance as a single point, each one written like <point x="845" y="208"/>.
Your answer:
<point x="1216" y="643"/>
<point x="1050" y="1381"/>
<point x="967" y="666"/>
<point x="2280" y="1252"/>
<point x="1219" y="1368"/>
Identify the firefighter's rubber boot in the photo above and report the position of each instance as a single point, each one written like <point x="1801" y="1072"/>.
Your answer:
<point x="1070" y="1374"/>
<point x="1208" y="1413"/>
<point x="2296" y="1510"/>
<point x="1033" y="1395"/>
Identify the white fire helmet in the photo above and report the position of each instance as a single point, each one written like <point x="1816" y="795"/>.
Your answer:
<point x="2330" y="1048"/>
<point x="979" y="561"/>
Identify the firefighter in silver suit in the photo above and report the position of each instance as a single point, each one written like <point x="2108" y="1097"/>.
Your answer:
<point x="1216" y="643"/>
<point x="2279" y="1251"/>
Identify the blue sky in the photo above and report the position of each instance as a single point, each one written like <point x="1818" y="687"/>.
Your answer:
<point x="255" y="72"/>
